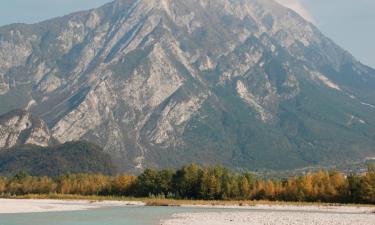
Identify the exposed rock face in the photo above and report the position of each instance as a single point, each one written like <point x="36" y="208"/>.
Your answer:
<point x="20" y="127"/>
<point x="167" y="82"/>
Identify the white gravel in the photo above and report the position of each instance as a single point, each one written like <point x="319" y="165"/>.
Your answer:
<point x="288" y="207"/>
<point x="348" y="216"/>
<point x="29" y="206"/>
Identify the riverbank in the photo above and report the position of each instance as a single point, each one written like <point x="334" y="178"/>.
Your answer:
<point x="179" y="202"/>
<point x="53" y="203"/>
<point x="8" y="206"/>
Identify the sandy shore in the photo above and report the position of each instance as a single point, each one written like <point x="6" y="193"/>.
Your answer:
<point x="280" y="215"/>
<point x="29" y="206"/>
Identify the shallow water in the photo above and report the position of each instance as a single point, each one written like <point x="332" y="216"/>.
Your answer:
<point x="128" y="215"/>
<point x="105" y="216"/>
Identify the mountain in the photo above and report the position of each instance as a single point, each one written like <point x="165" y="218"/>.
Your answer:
<point x="160" y="83"/>
<point x="20" y="127"/>
<point x="72" y="157"/>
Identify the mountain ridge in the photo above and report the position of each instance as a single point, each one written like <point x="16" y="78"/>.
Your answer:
<point x="166" y="83"/>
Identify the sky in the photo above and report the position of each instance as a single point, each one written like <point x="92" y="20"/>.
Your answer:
<point x="350" y="23"/>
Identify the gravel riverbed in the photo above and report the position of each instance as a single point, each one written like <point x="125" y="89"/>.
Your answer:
<point x="269" y="217"/>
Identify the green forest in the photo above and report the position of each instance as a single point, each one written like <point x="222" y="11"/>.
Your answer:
<point x="194" y="182"/>
<point x="52" y="161"/>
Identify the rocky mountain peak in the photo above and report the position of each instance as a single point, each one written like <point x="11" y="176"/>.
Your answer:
<point x="168" y="82"/>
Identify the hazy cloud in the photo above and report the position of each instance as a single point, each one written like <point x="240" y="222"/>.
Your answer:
<point x="298" y="7"/>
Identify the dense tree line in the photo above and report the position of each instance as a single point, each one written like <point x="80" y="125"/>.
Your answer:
<point x="209" y="183"/>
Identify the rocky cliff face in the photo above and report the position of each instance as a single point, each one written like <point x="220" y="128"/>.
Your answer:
<point x="246" y="83"/>
<point x="20" y="127"/>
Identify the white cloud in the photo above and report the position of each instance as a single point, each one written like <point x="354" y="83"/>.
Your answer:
<point x="298" y="7"/>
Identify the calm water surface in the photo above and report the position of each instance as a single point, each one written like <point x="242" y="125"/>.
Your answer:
<point x="105" y="216"/>
<point x="130" y="215"/>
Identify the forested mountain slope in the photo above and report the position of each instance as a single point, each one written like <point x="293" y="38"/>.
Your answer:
<point x="73" y="157"/>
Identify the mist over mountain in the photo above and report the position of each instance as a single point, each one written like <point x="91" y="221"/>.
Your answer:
<point x="160" y="83"/>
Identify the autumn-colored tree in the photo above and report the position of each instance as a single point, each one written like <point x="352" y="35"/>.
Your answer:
<point x="195" y="182"/>
<point x="123" y="184"/>
<point x="3" y="183"/>
<point x="269" y="190"/>
<point x="46" y="185"/>
<point x="258" y="192"/>
<point x="290" y="190"/>
<point x="340" y="185"/>
<point x="307" y="187"/>
<point x="244" y="187"/>
<point x="83" y="184"/>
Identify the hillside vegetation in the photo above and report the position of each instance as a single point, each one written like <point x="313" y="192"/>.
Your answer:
<point x="73" y="157"/>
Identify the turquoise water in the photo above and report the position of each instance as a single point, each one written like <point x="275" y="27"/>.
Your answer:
<point x="129" y="215"/>
<point x="105" y="216"/>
